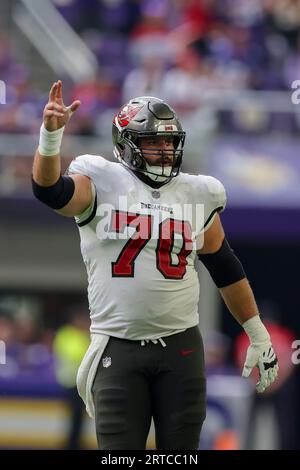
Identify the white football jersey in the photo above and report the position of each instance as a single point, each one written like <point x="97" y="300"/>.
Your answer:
<point x="139" y="247"/>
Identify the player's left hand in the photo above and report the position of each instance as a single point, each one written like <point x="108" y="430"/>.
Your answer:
<point x="263" y="357"/>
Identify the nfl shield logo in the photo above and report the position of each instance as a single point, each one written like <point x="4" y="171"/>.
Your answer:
<point x="156" y="194"/>
<point x="106" y="361"/>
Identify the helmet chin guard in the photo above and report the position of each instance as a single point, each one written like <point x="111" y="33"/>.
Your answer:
<point x="147" y="116"/>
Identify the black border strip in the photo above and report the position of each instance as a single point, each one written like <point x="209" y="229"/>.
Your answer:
<point x="218" y="209"/>
<point x="90" y="218"/>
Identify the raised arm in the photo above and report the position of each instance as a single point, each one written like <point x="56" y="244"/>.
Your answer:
<point x="68" y="195"/>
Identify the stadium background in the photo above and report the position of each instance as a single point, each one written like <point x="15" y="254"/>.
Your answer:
<point x="227" y="66"/>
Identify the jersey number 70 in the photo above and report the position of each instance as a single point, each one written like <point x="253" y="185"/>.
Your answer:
<point x="124" y="266"/>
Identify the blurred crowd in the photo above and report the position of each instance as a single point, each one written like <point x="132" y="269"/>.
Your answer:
<point x="36" y="341"/>
<point x="40" y="354"/>
<point x="180" y="50"/>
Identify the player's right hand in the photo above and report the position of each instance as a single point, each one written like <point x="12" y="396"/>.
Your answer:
<point x="56" y="114"/>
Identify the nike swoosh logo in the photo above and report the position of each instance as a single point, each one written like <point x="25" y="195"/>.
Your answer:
<point x="186" y="352"/>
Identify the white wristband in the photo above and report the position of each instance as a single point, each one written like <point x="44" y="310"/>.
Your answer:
<point x="50" y="142"/>
<point x="256" y="330"/>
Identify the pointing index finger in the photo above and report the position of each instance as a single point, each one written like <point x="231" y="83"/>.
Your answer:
<point x="59" y="90"/>
<point x="52" y="92"/>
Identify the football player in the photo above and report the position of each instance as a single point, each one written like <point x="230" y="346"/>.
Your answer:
<point x="142" y="223"/>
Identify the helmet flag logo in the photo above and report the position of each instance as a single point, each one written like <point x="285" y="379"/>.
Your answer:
<point x="127" y="113"/>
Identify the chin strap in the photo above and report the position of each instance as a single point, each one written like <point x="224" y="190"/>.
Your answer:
<point x="145" y="179"/>
<point x="155" y="173"/>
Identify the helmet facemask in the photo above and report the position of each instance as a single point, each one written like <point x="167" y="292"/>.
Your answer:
<point x="152" y="118"/>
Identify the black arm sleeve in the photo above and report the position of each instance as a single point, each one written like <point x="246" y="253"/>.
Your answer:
<point x="57" y="195"/>
<point x="224" y="266"/>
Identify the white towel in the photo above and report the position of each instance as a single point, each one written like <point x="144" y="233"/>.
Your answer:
<point x="87" y="370"/>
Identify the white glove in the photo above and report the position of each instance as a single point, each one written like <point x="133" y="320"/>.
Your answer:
<point x="260" y="353"/>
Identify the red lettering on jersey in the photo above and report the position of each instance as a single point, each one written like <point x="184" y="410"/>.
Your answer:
<point x="164" y="250"/>
<point x="127" y="114"/>
<point x="124" y="265"/>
